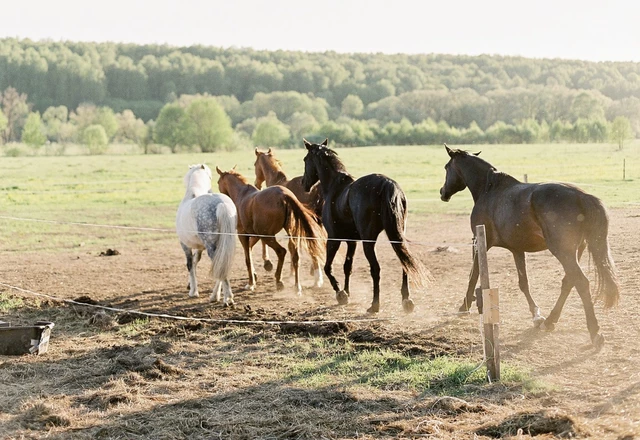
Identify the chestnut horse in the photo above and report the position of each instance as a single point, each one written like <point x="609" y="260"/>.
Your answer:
<point x="262" y="214"/>
<point x="359" y="210"/>
<point x="531" y="217"/>
<point x="269" y="170"/>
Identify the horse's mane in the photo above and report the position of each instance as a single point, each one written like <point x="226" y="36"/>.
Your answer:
<point x="330" y="156"/>
<point x="240" y="177"/>
<point x="496" y="178"/>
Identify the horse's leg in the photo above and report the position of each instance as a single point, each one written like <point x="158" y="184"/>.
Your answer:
<point x="295" y="261"/>
<point x="348" y="263"/>
<point x="407" y="303"/>
<point x="244" y="240"/>
<point x="471" y="288"/>
<point x="332" y="248"/>
<point x="228" y="295"/>
<point x="215" y="294"/>
<point x="191" y="267"/>
<point x="370" y="253"/>
<point x="523" y="282"/>
<point x="252" y="242"/>
<point x="316" y="271"/>
<point x="268" y="265"/>
<point x="280" y="252"/>
<point x="575" y="277"/>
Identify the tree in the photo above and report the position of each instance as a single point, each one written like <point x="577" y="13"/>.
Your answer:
<point x="3" y="125"/>
<point x="620" y="131"/>
<point x="352" y="106"/>
<point x="271" y="132"/>
<point x="170" y="126"/>
<point x="95" y="137"/>
<point x="33" y="132"/>
<point x="16" y="110"/>
<point x="207" y="125"/>
<point x="53" y="119"/>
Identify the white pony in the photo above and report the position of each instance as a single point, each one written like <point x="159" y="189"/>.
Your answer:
<point x="207" y="221"/>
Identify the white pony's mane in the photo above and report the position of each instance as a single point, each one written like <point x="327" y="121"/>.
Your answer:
<point x="198" y="179"/>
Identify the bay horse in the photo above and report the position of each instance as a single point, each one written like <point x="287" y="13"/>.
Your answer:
<point x="531" y="217"/>
<point x="262" y="214"/>
<point x="207" y="221"/>
<point x="269" y="170"/>
<point x="359" y="210"/>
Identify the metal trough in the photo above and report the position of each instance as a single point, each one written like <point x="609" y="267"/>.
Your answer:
<point x="25" y="339"/>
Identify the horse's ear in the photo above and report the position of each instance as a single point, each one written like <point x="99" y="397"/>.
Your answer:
<point x="326" y="141"/>
<point x="234" y="167"/>
<point x="256" y="151"/>
<point x="202" y="166"/>
<point x="218" y="170"/>
<point x="269" y="150"/>
<point x="306" y="143"/>
<point x="477" y="154"/>
<point x="449" y="150"/>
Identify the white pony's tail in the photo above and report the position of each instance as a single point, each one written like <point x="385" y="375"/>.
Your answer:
<point x="222" y="261"/>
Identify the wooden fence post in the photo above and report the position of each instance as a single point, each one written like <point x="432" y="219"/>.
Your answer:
<point x="490" y="309"/>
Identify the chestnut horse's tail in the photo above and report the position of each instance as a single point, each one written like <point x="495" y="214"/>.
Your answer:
<point x="301" y="223"/>
<point x="394" y="219"/>
<point x="597" y="228"/>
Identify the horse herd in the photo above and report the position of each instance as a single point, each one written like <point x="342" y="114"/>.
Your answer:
<point x="327" y="206"/>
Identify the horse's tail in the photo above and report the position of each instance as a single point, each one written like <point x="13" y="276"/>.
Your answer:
<point x="394" y="219"/>
<point x="597" y="229"/>
<point x="225" y="245"/>
<point x="301" y="223"/>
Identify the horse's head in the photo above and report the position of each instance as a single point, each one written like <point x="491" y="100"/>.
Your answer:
<point x="311" y="176"/>
<point x="454" y="180"/>
<point x="260" y="164"/>
<point x="199" y="175"/>
<point x="228" y="179"/>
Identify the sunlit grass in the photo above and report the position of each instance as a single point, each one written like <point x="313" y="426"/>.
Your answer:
<point x="9" y="303"/>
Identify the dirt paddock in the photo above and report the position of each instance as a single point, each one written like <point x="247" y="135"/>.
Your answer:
<point x="159" y="382"/>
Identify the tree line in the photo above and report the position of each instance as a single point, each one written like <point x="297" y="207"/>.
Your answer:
<point x="279" y="96"/>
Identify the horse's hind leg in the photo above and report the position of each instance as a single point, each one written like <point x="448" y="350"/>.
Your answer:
<point x="280" y="252"/>
<point x="473" y="280"/>
<point x="267" y="264"/>
<point x="228" y="295"/>
<point x="295" y="265"/>
<point x="192" y="261"/>
<point x="575" y="277"/>
<point x="244" y="240"/>
<point x="215" y="293"/>
<point x="407" y="303"/>
<point x="523" y="282"/>
<point x="348" y="263"/>
<point x="370" y="253"/>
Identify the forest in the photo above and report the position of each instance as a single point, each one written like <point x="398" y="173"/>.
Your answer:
<point x="212" y="98"/>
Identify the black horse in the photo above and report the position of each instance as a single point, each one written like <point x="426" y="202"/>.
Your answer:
<point x="531" y="217"/>
<point x="357" y="210"/>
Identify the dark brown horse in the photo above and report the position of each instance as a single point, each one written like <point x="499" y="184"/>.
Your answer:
<point x="269" y="170"/>
<point x="359" y="210"/>
<point x="531" y="217"/>
<point x="262" y="214"/>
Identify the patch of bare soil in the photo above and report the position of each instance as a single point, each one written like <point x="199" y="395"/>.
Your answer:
<point x="105" y="376"/>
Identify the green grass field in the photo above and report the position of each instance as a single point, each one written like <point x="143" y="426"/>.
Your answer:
<point x="144" y="191"/>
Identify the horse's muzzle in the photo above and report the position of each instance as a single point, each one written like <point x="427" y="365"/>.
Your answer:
<point x="443" y="196"/>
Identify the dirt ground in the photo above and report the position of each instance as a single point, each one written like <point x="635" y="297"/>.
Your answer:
<point x="596" y="394"/>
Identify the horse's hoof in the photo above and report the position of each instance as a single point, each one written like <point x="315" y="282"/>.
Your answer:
<point x="250" y="287"/>
<point x="538" y="321"/>
<point x="547" y="326"/>
<point x="407" y="305"/>
<point x="268" y="265"/>
<point x="463" y="309"/>
<point x="342" y="297"/>
<point x="375" y="308"/>
<point x="279" y="285"/>
<point x="194" y="295"/>
<point x="598" y="342"/>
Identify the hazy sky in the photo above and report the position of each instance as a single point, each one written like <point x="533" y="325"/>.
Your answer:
<point x="590" y="30"/>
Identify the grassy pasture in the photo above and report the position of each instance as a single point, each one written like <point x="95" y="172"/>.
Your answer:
<point x="144" y="191"/>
